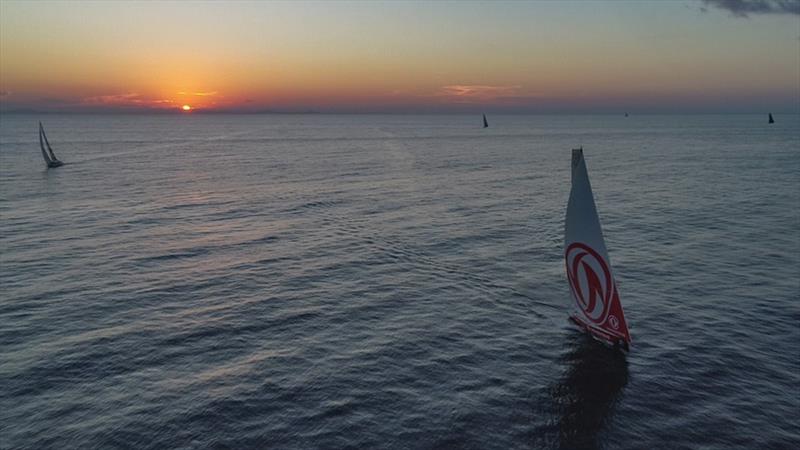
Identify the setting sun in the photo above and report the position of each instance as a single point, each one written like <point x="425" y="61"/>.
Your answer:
<point x="186" y="108"/>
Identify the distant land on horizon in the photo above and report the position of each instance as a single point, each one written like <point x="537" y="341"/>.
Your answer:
<point x="178" y="112"/>
<point x="172" y="111"/>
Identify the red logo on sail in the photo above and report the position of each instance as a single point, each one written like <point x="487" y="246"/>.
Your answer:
<point x="591" y="282"/>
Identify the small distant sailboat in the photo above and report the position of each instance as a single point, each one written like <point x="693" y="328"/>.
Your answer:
<point x="771" y="120"/>
<point x="485" y="123"/>
<point x="626" y="114"/>
<point x="49" y="157"/>
<point x="597" y="309"/>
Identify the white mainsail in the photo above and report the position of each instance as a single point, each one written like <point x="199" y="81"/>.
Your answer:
<point x="596" y="308"/>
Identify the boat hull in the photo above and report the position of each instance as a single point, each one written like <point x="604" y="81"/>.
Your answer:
<point x="600" y="335"/>
<point x="596" y="306"/>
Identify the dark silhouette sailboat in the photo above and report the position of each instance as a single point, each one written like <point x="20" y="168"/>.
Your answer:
<point x="49" y="157"/>
<point x="485" y="123"/>
<point x="771" y="120"/>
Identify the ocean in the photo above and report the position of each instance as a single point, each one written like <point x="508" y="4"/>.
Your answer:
<point x="378" y="281"/>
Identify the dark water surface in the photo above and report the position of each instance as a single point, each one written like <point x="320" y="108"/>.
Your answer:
<point x="319" y="281"/>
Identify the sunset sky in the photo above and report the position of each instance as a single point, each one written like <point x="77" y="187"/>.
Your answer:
<point x="581" y="56"/>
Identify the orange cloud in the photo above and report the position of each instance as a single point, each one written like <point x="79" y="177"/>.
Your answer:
<point x="127" y="99"/>
<point x="467" y="93"/>
<point x="199" y="94"/>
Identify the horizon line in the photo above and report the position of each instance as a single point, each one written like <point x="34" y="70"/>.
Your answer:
<point x="23" y="111"/>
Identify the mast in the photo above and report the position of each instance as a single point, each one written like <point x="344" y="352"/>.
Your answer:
<point x="596" y="308"/>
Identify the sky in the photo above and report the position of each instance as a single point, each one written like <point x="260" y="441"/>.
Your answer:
<point x="703" y="56"/>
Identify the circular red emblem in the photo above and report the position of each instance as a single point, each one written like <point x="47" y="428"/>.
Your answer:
<point x="590" y="280"/>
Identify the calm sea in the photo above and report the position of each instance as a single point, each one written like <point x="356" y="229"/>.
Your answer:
<point x="323" y="281"/>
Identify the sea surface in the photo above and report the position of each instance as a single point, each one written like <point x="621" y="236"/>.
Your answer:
<point x="370" y="281"/>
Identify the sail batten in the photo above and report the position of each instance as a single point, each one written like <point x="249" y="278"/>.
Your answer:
<point x="596" y="307"/>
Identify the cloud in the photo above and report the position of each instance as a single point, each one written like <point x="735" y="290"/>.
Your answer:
<point x="126" y="99"/>
<point x="468" y="93"/>
<point x="57" y="101"/>
<point x="743" y="8"/>
<point x="199" y="94"/>
<point x="113" y="99"/>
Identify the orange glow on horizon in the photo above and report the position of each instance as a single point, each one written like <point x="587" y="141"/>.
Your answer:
<point x="260" y="56"/>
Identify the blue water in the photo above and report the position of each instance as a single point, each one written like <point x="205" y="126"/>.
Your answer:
<point x="315" y="281"/>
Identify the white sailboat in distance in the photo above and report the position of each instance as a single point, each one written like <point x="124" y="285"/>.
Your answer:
<point x="49" y="157"/>
<point x="596" y="308"/>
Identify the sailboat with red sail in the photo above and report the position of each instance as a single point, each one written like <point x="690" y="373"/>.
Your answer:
<point x="596" y="308"/>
